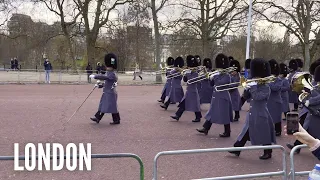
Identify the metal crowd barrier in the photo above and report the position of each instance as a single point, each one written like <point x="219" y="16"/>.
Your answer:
<point x="293" y="173"/>
<point x="95" y="156"/>
<point x="282" y="173"/>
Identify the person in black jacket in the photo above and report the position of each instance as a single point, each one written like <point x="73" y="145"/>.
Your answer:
<point x="89" y="72"/>
<point x="47" y="67"/>
<point x="98" y="69"/>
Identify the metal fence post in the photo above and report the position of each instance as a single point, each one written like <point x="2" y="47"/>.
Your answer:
<point x="60" y="77"/>
<point x="293" y="173"/>
<point x="19" y="76"/>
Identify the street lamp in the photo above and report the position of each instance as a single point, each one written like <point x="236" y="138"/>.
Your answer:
<point x="249" y="30"/>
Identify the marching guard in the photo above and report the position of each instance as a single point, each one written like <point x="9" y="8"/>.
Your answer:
<point x="293" y="96"/>
<point x="206" y="88"/>
<point x="275" y="101"/>
<point x="234" y="93"/>
<point x="285" y="89"/>
<point x="191" y="99"/>
<point x="166" y="88"/>
<point x="220" y="111"/>
<point x="258" y="128"/>
<point x="176" y="91"/>
<point x="108" y="102"/>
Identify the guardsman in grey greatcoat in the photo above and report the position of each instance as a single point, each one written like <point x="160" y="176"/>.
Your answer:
<point x="198" y="63"/>
<point x="293" y="96"/>
<point x="234" y="93"/>
<point x="166" y="88"/>
<point x="284" y="89"/>
<point x="305" y="114"/>
<point x="206" y="89"/>
<point x="246" y="95"/>
<point x="275" y="101"/>
<point x="191" y="99"/>
<point x="108" y="102"/>
<point x="220" y="111"/>
<point x="176" y="91"/>
<point x="258" y="128"/>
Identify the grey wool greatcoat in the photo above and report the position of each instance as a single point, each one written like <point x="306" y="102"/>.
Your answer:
<point x="205" y="92"/>
<point x="234" y="93"/>
<point x="275" y="102"/>
<point x="191" y="97"/>
<point x="258" y="120"/>
<point x="220" y="111"/>
<point x="293" y="96"/>
<point x="108" y="102"/>
<point x="176" y="91"/>
<point x="305" y="110"/>
<point x="167" y="86"/>
<point x="312" y="122"/>
<point x="285" y="95"/>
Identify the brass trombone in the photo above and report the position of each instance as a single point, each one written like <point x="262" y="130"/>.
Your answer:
<point x="164" y="69"/>
<point x="243" y="83"/>
<point x="206" y="75"/>
<point x="182" y="71"/>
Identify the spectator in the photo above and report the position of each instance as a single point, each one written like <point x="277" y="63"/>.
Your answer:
<point x="98" y="68"/>
<point x="47" y="68"/>
<point x="16" y="64"/>
<point x="137" y="72"/>
<point x="304" y="137"/>
<point x="103" y="69"/>
<point x="12" y="64"/>
<point x="89" y="72"/>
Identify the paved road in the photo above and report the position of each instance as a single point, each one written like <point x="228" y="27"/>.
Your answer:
<point x="34" y="113"/>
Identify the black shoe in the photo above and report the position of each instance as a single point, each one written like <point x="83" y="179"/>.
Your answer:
<point x="203" y="130"/>
<point x="95" y="119"/>
<point x="162" y="101"/>
<point x="295" y="110"/>
<point x="172" y="103"/>
<point x="237" y="153"/>
<point x="235" y="120"/>
<point x="175" y="117"/>
<point x="278" y="133"/>
<point x="292" y="146"/>
<point x="265" y="156"/>
<point x="164" y="107"/>
<point x="196" y="120"/>
<point x="114" y="123"/>
<point x="224" y="134"/>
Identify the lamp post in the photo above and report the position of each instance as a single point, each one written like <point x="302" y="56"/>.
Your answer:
<point x="249" y="30"/>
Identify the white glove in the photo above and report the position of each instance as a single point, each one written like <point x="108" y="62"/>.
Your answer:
<point x="96" y="85"/>
<point x="188" y="71"/>
<point x="91" y="76"/>
<point x="252" y="84"/>
<point x="307" y="103"/>
<point x="213" y="75"/>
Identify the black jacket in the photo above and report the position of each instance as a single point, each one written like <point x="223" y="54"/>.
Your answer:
<point x="89" y="69"/>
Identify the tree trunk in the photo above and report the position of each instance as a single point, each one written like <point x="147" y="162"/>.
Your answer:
<point x="157" y="39"/>
<point x="90" y="42"/>
<point x="72" y="56"/>
<point x="306" y="57"/>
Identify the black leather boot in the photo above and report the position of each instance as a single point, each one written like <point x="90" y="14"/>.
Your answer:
<point x="164" y="107"/>
<point x="196" y="120"/>
<point x="203" y="130"/>
<point x="267" y="154"/>
<point x="290" y="146"/>
<point x="95" y="119"/>
<point x="236" y="116"/>
<point x="175" y="117"/>
<point x="227" y="131"/>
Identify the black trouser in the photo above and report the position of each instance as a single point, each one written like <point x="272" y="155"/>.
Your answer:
<point x="163" y="95"/>
<point x="295" y="106"/>
<point x="167" y="103"/>
<point x="278" y="127"/>
<point x="236" y="115"/>
<point x="115" y="116"/>
<point x="89" y="79"/>
<point x="182" y="108"/>
<point x="246" y="138"/>
<point x="207" y="125"/>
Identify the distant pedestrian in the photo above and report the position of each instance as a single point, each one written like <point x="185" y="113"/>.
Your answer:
<point x="47" y="68"/>
<point x="12" y="64"/>
<point x="89" y="72"/>
<point x="98" y="68"/>
<point x="16" y="64"/>
<point x="137" y="72"/>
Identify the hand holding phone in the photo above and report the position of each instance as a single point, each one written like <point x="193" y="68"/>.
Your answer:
<point x="292" y="123"/>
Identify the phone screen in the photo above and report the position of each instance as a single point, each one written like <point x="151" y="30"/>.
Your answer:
<point x="292" y="123"/>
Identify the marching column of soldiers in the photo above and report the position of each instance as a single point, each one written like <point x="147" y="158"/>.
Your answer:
<point x="269" y="88"/>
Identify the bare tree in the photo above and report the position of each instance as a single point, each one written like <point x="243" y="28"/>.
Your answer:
<point x="300" y="17"/>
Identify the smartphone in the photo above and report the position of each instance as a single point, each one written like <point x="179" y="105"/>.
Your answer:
<point x="292" y="122"/>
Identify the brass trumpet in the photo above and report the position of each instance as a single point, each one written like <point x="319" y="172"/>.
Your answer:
<point x="243" y="83"/>
<point x="206" y="75"/>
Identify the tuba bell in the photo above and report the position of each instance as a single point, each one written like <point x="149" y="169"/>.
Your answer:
<point x="300" y="81"/>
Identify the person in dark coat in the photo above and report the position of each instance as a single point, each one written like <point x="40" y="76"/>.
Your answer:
<point x="312" y="122"/>
<point x="300" y="65"/>
<point x="191" y="99"/>
<point x="259" y="127"/>
<point x="48" y="68"/>
<point x="246" y="95"/>
<point x="12" y="64"/>
<point x="98" y="68"/>
<point x="234" y="93"/>
<point x="275" y="101"/>
<point x="293" y="96"/>
<point x="176" y="91"/>
<point x="89" y="72"/>
<point x="220" y="111"/>
<point x="166" y="88"/>
<point x="108" y="102"/>
<point x="284" y="89"/>
<point x="198" y="63"/>
<point x="206" y="90"/>
<point x="16" y="64"/>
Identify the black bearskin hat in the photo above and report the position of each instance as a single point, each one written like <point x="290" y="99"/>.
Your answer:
<point x="274" y="67"/>
<point x="170" y="61"/>
<point x="222" y="61"/>
<point x="247" y="64"/>
<point x="283" y="69"/>
<point x="207" y="63"/>
<point x="235" y="63"/>
<point x="259" y="68"/>
<point x="198" y="60"/>
<point x="191" y="61"/>
<point x="111" y="60"/>
<point x="179" y="62"/>
<point x="293" y="64"/>
<point x="230" y="58"/>
<point x="300" y="63"/>
<point x="317" y="74"/>
<point x="313" y="66"/>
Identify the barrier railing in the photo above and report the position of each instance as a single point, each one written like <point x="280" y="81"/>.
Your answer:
<point x="293" y="173"/>
<point x="282" y="173"/>
<point x="95" y="156"/>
